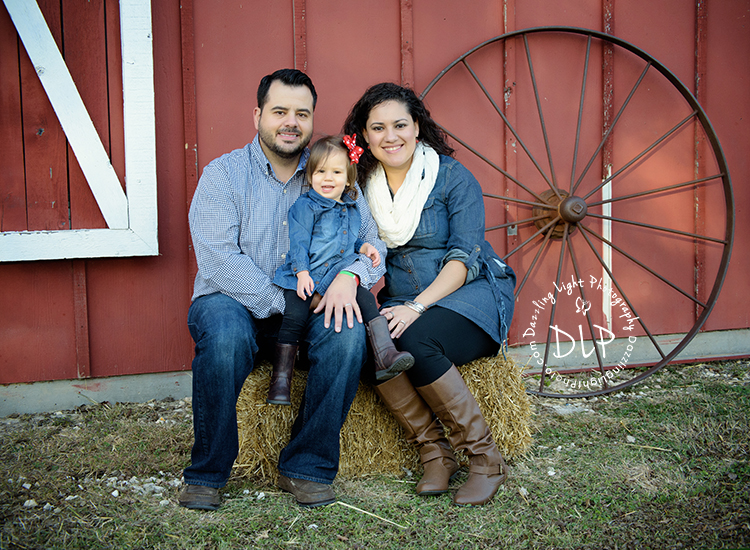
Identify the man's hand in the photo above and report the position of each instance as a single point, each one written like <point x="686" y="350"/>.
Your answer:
<point x="340" y="298"/>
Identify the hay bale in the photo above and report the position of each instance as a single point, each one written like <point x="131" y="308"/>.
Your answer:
<point x="371" y="440"/>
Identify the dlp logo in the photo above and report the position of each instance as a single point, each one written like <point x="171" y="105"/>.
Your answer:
<point x="566" y="343"/>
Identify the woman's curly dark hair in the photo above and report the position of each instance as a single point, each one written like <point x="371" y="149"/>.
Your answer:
<point x="429" y="132"/>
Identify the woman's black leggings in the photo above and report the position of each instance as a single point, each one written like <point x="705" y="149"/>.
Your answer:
<point x="440" y="338"/>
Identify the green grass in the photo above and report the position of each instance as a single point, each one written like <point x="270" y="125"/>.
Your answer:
<point x="666" y="465"/>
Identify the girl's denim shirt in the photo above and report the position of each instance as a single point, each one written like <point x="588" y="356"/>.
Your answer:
<point x="451" y="227"/>
<point x="323" y="236"/>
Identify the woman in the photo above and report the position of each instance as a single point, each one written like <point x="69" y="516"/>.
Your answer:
<point x="448" y="298"/>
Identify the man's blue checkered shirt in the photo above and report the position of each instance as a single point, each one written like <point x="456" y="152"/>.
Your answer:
<point x="238" y="221"/>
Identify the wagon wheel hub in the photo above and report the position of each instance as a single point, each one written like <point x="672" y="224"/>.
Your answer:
<point x="572" y="209"/>
<point x="569" y="209"/>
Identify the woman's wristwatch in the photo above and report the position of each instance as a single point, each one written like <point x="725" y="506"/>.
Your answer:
<point x="416" y="306"/>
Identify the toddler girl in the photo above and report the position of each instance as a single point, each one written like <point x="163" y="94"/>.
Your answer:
<point x="323" y="229"/>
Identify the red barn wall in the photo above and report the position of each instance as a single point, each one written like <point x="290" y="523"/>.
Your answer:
<point x="103" y="317"/>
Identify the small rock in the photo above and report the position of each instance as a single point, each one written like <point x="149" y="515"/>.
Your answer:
<point x="630" y="439"/>
<point x="71" y="497"/>
<point x="523" y="491"/>
<point x="313" y="526"/>
<point x="26" y="486"/>
<point x="115" y="493"/>
<point x="31" y="503"/>
<point x="164" y="502"/>
<point x="551" y="472"/>
<point x="48" y="507"/>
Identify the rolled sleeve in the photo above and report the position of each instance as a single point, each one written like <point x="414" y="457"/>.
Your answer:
<point x="471" y="261"/>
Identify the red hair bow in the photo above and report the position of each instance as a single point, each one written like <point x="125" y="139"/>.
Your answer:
<point x="354" y="150"/>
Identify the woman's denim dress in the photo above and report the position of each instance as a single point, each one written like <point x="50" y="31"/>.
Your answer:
<point x="452" y="228"/>
<point x="323" y="237"/>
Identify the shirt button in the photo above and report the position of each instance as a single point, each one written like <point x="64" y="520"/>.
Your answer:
<point x="342" y="250"/>
<point x="344" y="231"/>
<point x="326" y="264"/>
<point x="283" y="256"/>
<point x="285" y="191"/>
<point x="283" y="223"/>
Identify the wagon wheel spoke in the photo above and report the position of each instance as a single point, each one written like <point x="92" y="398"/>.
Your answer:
<point x="642" y="153"/>
<point x="644" y="266"/>
<point x="517" y="222"/>
<point x="531" y="239"/>
<point x="624" y="295"/>
<point x="580" y="113"/>
<point x="690" y="184"/>
<point x="611" y="127"/>
<point x="508" y="124"/>
<point x="658" y="228"/>
<point x="533" y="264"/>
<point x="520" y="201"/>
<point x="588" y="318"/>
<point x="553" y="183"/>
<point x="495" y="166"/>
<point x="554" y="307"/>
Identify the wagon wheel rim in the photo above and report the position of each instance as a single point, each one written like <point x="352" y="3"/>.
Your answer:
<point x="564" y="216"/>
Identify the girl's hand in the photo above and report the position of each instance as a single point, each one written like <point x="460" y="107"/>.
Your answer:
<point x="305" y="285"/>
<point x="372" y="253"/>
<point x="399" y="318"/>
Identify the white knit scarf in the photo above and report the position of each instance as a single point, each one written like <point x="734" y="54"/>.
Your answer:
<point x="398" y="216"/>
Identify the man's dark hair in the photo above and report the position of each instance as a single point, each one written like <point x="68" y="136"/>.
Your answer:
<point x="289" y="77"/>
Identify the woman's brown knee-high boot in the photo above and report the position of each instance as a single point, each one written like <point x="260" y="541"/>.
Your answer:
<point x="457" y="409"/>
<point x="422" y="429"/>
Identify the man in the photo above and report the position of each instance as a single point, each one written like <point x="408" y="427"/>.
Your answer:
<point x="238" y="221"/>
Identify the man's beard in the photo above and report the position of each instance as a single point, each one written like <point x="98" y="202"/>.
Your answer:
<point x="269" y="141"/>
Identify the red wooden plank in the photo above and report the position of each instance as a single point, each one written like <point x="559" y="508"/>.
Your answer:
<point x="81" y="316"/>
<point x="12" y="188"/>
<point x="608" y="91"/>
<point x="37" y="335"/>
<point x="701" y="151"/>
<point x="44" y="143"/>
<point x="407" y="43"/>
<point x="85" y="55"/>
<point x="300" y="34"/>
<point x="187" y="35"/>
<point x="510" y="146"/>
<point x="114" y="76"/>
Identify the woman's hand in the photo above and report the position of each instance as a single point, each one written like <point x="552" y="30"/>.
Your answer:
<point x="399" y="318"/>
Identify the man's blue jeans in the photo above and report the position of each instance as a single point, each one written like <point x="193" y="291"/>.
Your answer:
<point x="227" y="339"/>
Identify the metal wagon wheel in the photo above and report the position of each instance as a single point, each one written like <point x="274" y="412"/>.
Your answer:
<point x="618" y="179"/>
